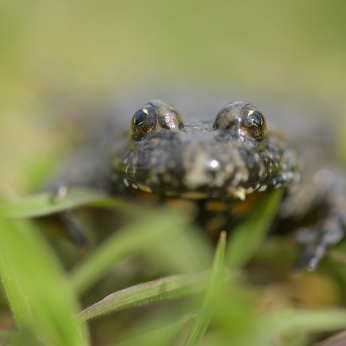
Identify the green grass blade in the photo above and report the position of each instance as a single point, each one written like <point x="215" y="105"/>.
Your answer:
<point x="34" y="282"/>
<point x="246" y="238"/>
<point x="183" y="252"/>
<point x="303" y="320"/>
<point x="172" y="287"/>
<point x="13" y="287"/>
<point x="202" y="322"/>
<point x="159" y="331"/>
<point x="44" y="204"/>
<point x="20" y="305"/>
<point x="235" y="318"/>
<point x="126" y="241"/>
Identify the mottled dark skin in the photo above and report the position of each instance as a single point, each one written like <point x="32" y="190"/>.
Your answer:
<point x="220" y="161"/>
<point x="231" y="157"/>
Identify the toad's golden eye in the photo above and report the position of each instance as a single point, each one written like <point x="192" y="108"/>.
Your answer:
<point x="243" y="118"/>
<point x="143" y="122"/>
<point x="256" y="118"/>
<point x="140" y="116"/>
<point x="153" y="116"/>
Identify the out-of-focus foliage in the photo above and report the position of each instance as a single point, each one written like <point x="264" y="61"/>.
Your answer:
<point x="42" y="297"/>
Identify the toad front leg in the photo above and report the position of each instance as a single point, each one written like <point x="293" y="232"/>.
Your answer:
<point x="332" y="228"/>
<point x="326" y="193"/>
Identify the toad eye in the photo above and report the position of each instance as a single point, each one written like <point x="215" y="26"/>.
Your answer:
<point x="256" y="118"/>
<point x="143" y="122"/>
<point x="140" y="116"/>
<point x="245" y="119"/>
<point x="153" y="116"/>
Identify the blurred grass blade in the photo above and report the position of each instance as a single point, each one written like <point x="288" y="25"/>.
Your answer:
<point x="183" y="252"/>
<point x="126" y="241"/>
<point x="305" y="319"/>
<point x="22" y="311"/>
<point x="26" y="337"/>
<point x="160" y="336"/>
<point x="246" y="238"/>
<point x="202" y="322"/>
<point x="18" y="299"/>
<point x="44" y="203"/>
<point x="34" y="282"/>
<point x="160" y="328"/>
<point x="172" y="287"/>
<point x="235" y="318"/>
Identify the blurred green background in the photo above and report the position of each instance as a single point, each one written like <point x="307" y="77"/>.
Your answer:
<point x="83" y="51"/>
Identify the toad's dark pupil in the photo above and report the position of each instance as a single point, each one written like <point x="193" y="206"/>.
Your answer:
<point x="140" y="116"/>
<point x="256" y="119"/>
